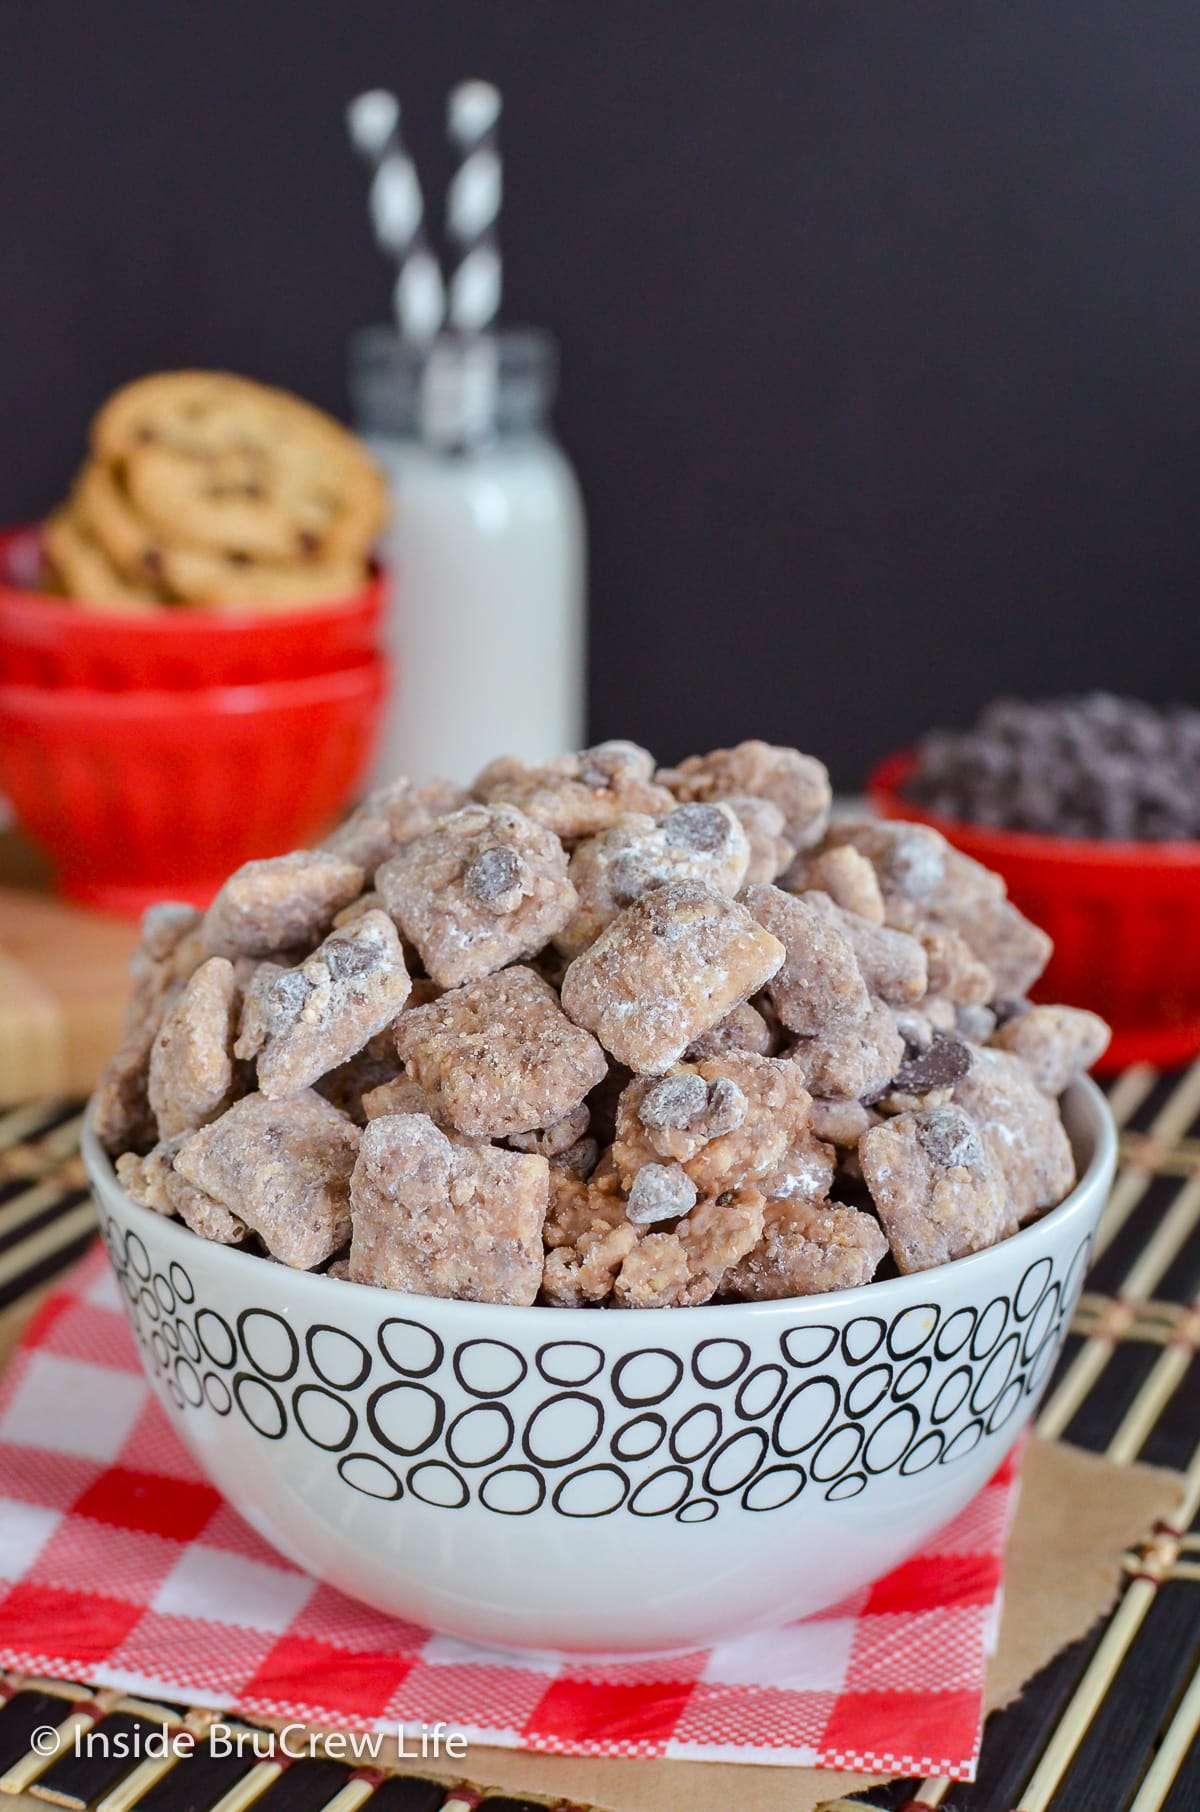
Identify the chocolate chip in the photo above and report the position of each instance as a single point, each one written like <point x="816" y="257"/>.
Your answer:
<point x="347" y="957"/>
<point x="495" y="879"/>
<point x="285" y="998"/>
<point x="948" y="1138"/>
<point x="660" y="1192"/>
<point x="727" y="1108"/>
<point x="945" y="1062"/>
<point x="702" y="828"/>
<point x="674" y="1103"/>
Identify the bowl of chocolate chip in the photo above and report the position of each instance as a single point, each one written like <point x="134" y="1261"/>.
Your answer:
<point x="1090" y="809"/>
<point x="606" y="1209"/>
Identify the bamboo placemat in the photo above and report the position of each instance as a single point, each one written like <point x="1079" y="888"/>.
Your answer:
<point x="1110" y="1726"/>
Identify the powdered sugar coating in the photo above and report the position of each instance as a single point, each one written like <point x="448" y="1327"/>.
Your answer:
<point x="280" y="903"/>
<point x="797" y="784"/>
<point x="440" y="1219"/>
<point x="578" y="795"/>
<point x="319" y="1015"/>
<point x="667" y="969"/>
<point x="854" y="1060"/>
<point x="1056" y="1044"/>
<point x="191" y="1061"/>
<point x="442" y="889"/>
<point x="391" y="816"/>
<point x="611" y="870"/>
<point x="284" y="1168"/>
<point x="1021" y="1128"/>
<point x="499" y="1056"/>
<point x="937" y="1189"/>
<point x="807" y="1247"/>
<point x="820" y="983"/>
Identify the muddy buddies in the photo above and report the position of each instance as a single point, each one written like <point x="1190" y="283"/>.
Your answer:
<point x="600" y="1034"/>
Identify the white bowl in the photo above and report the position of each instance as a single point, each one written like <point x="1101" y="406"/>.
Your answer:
<point x="603" y="1482"/>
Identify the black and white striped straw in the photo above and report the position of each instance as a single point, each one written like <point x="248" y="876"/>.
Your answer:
<point x="398" y="214"/>
<point x="473" y="206"/>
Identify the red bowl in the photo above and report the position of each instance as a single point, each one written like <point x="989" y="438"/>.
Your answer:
<point x="140" y="796"/>
<point x="1125" y="919"/>
<point x="48" y="641"/>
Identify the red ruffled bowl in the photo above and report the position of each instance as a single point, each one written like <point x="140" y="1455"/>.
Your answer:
<point x="146" y="795"/>
<point x="51" y="642"/>
<point x="1125" y="919"/>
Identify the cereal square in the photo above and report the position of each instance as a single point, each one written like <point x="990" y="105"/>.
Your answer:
<point x="668" y="968"/>
<point x="191" y="1076"/>
<point x="284" y="1168"/>
<point x="280" y="903"/>
<point x="480" y="889"/>
<point x="937" y="1189"/>
<point x="435" y="1219"/>
<point x="306" y="1021"/>
<point x="499" y="1056"/>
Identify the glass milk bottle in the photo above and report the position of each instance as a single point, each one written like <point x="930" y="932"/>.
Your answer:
<point x="485" y="550"/>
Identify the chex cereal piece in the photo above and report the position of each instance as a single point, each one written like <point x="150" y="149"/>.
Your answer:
<point x="1021" y="1128"/>
<point x="729" y="1120"/>
<point x="366" y="902"/>
<point x="390" y="817"/>
<point x="806" y="1248"/>
<point x="820" y="983"/>
<point x="1056" y="1044"/>
<point x="578" y="795"/>
<point x="280" y="903"/>
<point x="436" y="1219"/>
<point x="155" y="1183"/>
<point x="499" y="1056"/>
<point x="936" y="1187"/>
<point x="912" y="862"/>
<point x="855" y="1060"/>
<point x="587" y="1235"/>
<point x="164" y="926"/>
<point x="744" y="1029"/>
<point x="284" y="1168"/>
<point x="916" y="867"/>
<point x="797" y="784"/>
<point x="843" y="873"/>
<point x="893" y="964"/>
<point x="668" y="968"/>
<point x="955" y="972"/>
<point x="312" y="1018"/>
<point x="761" y="819"/>
<point x="480" y="889"/>
<point x="654" y="1274"/>
<point x="400" y="1095"/>
<point x="168" y="955"/>
<point x="583" y="1271"/>
<point x="1015" y="950"/>
<point x="191" y="1075"/>
<point x="975" y="1023"/>
<point x="610" y="871"/>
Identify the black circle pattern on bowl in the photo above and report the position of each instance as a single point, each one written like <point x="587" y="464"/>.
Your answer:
<point x="401" y="1413"/>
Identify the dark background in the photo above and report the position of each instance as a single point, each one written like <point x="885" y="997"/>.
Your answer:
<point x="881" y="323"/>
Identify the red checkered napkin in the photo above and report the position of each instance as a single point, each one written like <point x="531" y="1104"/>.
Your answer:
<point x="120" y="1565"/>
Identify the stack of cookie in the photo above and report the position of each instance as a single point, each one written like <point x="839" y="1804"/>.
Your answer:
<point x="208" y="490"/>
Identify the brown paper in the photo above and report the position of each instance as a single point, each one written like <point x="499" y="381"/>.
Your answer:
<point x="1077" y="1515"/>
